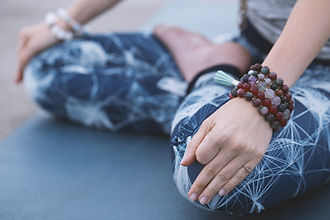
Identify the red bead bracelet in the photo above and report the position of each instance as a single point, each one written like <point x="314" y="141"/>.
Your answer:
<point x="265" y="90"/>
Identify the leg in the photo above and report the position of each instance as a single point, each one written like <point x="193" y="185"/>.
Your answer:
<point x="123" y="80"/>
<point x="297" y="160"/>
<point x="115" y="81"/>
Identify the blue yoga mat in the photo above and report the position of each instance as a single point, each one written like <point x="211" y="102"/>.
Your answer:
<point x="55" y="170"/>
<point x="52" y="169"/>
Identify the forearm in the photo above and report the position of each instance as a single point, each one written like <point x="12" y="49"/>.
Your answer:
<point x="85" y="10"/>
<point x="306" y="31"/>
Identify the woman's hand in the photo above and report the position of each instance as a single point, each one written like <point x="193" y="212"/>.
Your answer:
<point x="32" y="39"/>
<point x="230" y="143"/>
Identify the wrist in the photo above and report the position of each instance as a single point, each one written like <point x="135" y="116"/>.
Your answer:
<point x="64" y="25"/>
<point x="282" y="72"/>
<point x="249" y="111"/>
<point x="53" y="22"/>
<point x="77" y="16"/>
<point x="265" y="90"/>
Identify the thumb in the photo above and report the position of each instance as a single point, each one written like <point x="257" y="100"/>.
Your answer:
<point x="190" y="154"/>
<point x="24" y="58"/>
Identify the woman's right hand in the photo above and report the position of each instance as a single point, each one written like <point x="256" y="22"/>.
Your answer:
<point x="32" y="40"/>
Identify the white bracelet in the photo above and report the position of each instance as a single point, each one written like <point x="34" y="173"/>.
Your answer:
<point x="51" y="18"/>
<point x="77" y="28"/>
<point x="60" y="33"/>
<point x="57" y="31"/>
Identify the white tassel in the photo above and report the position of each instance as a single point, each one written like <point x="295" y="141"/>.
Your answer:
<point x="225" y="79"/>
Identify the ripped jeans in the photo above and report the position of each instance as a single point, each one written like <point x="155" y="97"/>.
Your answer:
<point x="131" y="82"/>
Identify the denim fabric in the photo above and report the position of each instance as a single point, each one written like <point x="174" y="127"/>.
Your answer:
<point x="131" y="82"/>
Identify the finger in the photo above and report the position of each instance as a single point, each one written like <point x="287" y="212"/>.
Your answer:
<point x="209" y="172"/>
<point x="19" y="72"/>
<point x="221" y="179"/>
<point x="22" y="62"/>
<point x="22" y="41"/>
<point x="240" y="175"/>
<point x="189" y="156"/>
<point x="210" y="146"/>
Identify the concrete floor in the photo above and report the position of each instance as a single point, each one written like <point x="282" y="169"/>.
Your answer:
<point x="15" y="105"/>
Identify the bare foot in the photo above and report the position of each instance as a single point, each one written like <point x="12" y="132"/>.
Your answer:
<point x="193" y="52"/>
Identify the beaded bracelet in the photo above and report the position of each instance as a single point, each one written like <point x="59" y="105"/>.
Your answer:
<point x="77" y="28"/>
<point x="266" y="91"/>
<point x="57" y="31"/>
<point x="60" y="33"/>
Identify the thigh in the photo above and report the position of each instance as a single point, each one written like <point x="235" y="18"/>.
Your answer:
<point x="297" y="159"/>
<point x="114" y="81"/>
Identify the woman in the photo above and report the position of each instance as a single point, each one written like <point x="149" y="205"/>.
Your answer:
<point x="226" y="156"/>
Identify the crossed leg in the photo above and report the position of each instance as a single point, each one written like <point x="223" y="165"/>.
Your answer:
<point x="122" y="81"/>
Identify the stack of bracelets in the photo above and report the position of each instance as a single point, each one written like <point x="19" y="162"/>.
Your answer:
<point x="267" y="92"/>
<point x="60" y="33"/>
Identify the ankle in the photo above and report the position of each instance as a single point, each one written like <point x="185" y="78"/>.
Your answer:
<point x="232" y="54"/>
<point x="227" y="53"/>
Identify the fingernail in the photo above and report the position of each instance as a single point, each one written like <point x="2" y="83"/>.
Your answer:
<point x="193" y="197"/>
<point x="222" y="192"/>
<point x="203" y="200"/>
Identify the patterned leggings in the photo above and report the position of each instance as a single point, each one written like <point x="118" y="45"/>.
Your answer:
<point x="131" y="82"/>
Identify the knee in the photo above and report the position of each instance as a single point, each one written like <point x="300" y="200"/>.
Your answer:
<point x="36" y="81"/>
<point x="32" y="78"/>
<point x="40" y="84"/>
<point x="193" y="111"/>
